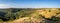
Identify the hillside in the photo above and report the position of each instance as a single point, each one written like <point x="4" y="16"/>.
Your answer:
<point x="28" y="15"/>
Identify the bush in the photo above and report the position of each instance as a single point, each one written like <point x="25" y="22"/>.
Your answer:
<point x="55" y="18"/>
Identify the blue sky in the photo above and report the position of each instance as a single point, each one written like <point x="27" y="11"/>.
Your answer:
<point x="29" y="3"/>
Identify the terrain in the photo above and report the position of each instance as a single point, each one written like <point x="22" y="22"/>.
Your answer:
<point x="29" y="15"/>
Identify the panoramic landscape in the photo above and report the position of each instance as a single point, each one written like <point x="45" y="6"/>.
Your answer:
<point x="29" y="11"/>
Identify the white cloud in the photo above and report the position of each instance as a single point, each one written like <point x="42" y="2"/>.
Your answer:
<point x="2" y="6"/>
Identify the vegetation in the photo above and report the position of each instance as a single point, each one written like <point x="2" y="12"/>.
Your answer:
<point x="51" y="14"/>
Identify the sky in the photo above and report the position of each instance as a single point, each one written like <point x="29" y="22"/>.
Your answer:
<point x="29" y="3"/>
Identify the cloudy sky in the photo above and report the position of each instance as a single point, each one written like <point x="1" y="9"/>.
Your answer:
<point x="29" y="3"/>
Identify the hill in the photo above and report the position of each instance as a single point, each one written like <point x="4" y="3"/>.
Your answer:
<point x="28" y="15"/>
